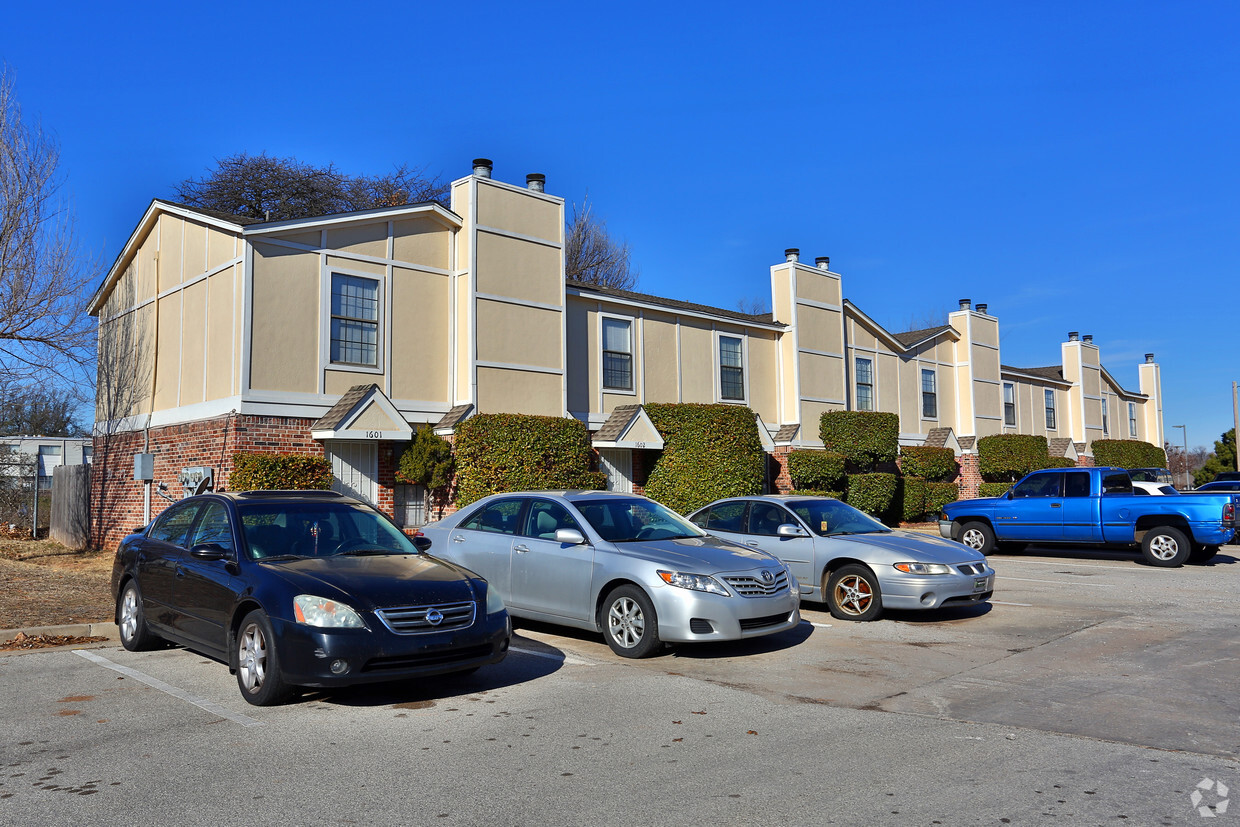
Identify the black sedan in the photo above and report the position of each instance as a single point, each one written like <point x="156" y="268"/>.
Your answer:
<point x="302" y="588"/>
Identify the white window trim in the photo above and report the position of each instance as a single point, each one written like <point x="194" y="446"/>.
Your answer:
<point x="629" y="320"/>
<point x="1132" y="419"/>
<point x="921" y="400"/>
<point x="325" y="323"/>
<point x="1015" y="406"/>
<point x="869" y="357"/>
<point x="1053" y="407"/>
<point x="1105" y="418"/>
<point x="744" y="340"/>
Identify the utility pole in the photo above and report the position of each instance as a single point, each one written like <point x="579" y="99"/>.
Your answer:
<point x="1235" y="414"/>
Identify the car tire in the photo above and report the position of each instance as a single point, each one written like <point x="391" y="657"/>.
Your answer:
<point x="258" y="662"/>
<point x="852" y="593"/>
<point x="978" y="536"/>
<point x="131" y="620"/>
<point x="1202" y="554"/>
<point x="1165" y="547"/>
<point x="629" y="623"/>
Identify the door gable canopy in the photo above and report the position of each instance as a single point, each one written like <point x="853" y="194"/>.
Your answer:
<point x="629" y="426"/>
<point x="364" y="412"/>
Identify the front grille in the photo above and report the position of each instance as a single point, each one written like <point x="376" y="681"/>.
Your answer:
<point x="437" y="658"/>
<point x="972" y="568"/>
<point x="700" y="626"/>
<point x="748" y="585"/>
<point x="763" y="622"/>
<point x="412" y="620"/>
<point x="972" y="598"/>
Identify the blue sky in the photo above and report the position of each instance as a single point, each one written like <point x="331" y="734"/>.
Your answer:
<point x="1072" y="165"/>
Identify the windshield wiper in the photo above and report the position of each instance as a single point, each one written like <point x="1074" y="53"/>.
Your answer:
<point x="362" y="552"/>
<point x="280" y="558"/>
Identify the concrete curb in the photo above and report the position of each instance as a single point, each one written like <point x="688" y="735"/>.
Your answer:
<point x="107" y="630"/>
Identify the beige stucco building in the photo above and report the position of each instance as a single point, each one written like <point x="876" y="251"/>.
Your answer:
<point x="340" y="334"/>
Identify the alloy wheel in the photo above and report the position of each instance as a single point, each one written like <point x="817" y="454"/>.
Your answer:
<point x="625" y="622"/>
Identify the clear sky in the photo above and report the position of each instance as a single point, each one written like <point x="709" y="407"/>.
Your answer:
<point x="1070" y="164"/>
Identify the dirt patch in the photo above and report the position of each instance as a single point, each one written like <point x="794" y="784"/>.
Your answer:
<point x="25" y="641"/>
<point x="42" y="583"/>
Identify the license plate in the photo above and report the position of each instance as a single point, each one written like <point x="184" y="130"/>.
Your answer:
<point x="979" y="585"/>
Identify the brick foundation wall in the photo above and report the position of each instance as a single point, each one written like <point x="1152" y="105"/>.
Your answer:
<point x="970" y="476"/>
<point x="781" y="482"/>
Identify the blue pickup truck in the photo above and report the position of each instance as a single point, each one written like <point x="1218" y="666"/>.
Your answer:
<point x="1094" y="506"/>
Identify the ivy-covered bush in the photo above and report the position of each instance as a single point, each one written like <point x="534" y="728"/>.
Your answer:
<point x="1058" y="462"/>
<point x="1008" y="457"/>
<point x="814" y="492"/>
<point x="427" y="461"/>
<point x="872" y="493"/>
<point x="939" y="494"/>
<point x="993" y="489"/>
<point x="1128" y="453"/>
<point x="816" y="470"/>
<point x="912" y="499"/>
<point x="709" y="452"/>
<point x="518" y="452"/>
<point x="929" y="463"/>
<point x="865" y="438"/>
<point x="279" y="472"/>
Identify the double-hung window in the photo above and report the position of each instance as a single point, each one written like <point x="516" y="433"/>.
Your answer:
<point x="1132" y="419"/>
<point x="1105" y="429"/>
<point x="929" y="395"/>
<point x="1009" y="404"/>
<point x="731" y="368"/>
<point x="355" y="320"/>
<point x="617" y="354"/>
<point x="865" y="384"/>
<point x="1049" y="395"/>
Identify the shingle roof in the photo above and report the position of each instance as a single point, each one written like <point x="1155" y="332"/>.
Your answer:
<point x="336" y="415"/>
<point x="787" y="433"/>
<point x="912" y="337"/>
<point x="222" y="216"/>
<point x="1058" y="447"/>
<point x="453" y="417"/>
<point x="674" y="304"/>
<point x="620" y="417"/>
<point x="937" y="438"/>
<point x="966" y="442"/>
<point x="1053" y="372"/>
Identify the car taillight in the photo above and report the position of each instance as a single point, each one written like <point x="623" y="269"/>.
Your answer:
<point x="1229" y="513"/>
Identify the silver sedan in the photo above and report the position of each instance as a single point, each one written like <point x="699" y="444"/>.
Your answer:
<point x="620" y="564"/>
<point x="849" y="560"/>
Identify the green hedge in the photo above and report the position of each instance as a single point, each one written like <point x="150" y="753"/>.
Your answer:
<point x="872" y="493"/>
<point x="811" y="492"/>
<point x="1128" y="453"/>
<point x="816" y="470"/>
<point x="279" y="472"/>
<point x="932" y="464"/>
<point x="709" y="452"/>
<point x="993" y="489"/>
<point x="427" y="461"/>
<point x="1008" y="457"/>
<point x="518" y="452"/>
<point x="939" y="494"/>
<point x="1058" y="462"/>
<point x="912" y="499"/>
<point x="865" y="438"/>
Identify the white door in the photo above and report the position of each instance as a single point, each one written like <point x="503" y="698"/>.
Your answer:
<point x="617" y="464"/>
<point x="355" y="465"/>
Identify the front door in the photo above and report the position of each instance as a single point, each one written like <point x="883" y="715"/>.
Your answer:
<point x="617" y="464"/>
<point x="355" y="466"/>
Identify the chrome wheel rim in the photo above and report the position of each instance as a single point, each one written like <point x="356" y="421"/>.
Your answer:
<point x="129" y="614"/>
<point x="973" y="539"/>
<point x="625" y="622"/>
<point x="853" y="594"/>
<point x="252" y="658"/>
<point x="1164" y="547"/>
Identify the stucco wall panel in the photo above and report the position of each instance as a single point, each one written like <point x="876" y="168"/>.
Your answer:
<point x="812" y="284"/>
<point x="364" y="239"/>
<point x="421" y="241"/>
<point x="660" y="370"/>
<point x="819" y="329"/>
<point x="518" y="212"/>
<point x="193" y="342"/>
<point x="697" y="360"/>
<point x="284" y="356"/>
<point x="220" y="353"/>
<point x="168" y="342"/>
<point x="421" y="341"/>
<point x="516" y="391"/>
<point x="515" y="334"/>
<point x="520" y="269"/>
<point x="580" y="355"/>
<point x="170" y="250"/>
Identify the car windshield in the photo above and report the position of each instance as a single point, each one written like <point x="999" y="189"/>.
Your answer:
<point x="293" y="530"/>
<point x="630" y="520"/>
<point x="828" y="518"/>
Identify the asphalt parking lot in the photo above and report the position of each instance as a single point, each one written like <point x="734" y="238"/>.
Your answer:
<point x="1093" y="690"/>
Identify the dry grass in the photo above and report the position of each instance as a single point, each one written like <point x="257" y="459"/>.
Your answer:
<point x="42" y="583"/>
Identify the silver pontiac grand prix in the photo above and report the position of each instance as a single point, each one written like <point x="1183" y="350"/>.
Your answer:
<point x="620" y="564"/>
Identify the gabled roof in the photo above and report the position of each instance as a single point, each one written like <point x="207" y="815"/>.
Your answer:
<point x="454" y="417"/>
<point x="787" y="433"/>
<point x="363" y="412"/>
<point x="911" y="338"/>
<point x="585" y="289"/>
<point x="1051" y="373"/>
<point x="629" y="426"/>
<point x="899" y="342"/>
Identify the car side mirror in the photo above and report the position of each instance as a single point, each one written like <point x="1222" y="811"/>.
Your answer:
<point x="1008" y="495"/>
<point x="569" y="536"/>
<point x="790" y="530"/>
<point x="209" y="551"/>
<point x="422" y="543"/>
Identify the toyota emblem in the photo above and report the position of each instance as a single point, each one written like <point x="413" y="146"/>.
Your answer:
<point x="767" y="577"/>
<point x="434" y="617"/>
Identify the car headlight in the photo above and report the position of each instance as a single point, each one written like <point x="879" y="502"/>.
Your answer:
<point x="694" y="582"/>
<point x="495" y="603"/>
<point x="923" y="568"/>
<point x="327" y="614"/>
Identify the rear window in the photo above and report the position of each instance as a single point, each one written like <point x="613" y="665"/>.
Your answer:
<point x="1117" y="484"/>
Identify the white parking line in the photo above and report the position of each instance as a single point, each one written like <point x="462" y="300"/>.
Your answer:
<point x="820" y="625"/>
<point x="201" y="703"/>
<point x="549" y="656"/>
<point x="1006" y="578"/>
<point x="1143" y="569"/>
<point x="1002" y="603"/>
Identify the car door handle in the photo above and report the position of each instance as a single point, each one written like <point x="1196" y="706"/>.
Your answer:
<point x="458" y="539"/>
<point x="753" y="543"/>
<point x="1056" y="505"/>
<point x="521" y="549"/>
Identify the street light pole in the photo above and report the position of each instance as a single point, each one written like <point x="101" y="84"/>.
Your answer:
<point x="1184" y="428"/>
<point x="1235" y="414"/>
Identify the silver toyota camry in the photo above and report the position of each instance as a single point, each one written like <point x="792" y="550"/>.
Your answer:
<point x="849" y="560"/>
<point x="620" y="564"/>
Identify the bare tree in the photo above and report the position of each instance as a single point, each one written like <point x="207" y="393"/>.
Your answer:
<point x="592" y="255"/>
<point x="40" y="410"/>
<point x="44" y="274"/>
<point x="754" y="306"/>
<point x="271" y="189"/>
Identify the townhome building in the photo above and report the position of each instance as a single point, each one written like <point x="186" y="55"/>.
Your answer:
<point x="338" y="335"/>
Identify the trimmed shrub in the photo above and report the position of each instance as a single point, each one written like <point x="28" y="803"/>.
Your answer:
<point x="872" y="493"/>
<point x="865" y="438"/>
<point x="993" y="489"/>
<point x="835" y="495"/>
<point x="426" y="461"/>
<point x="912" y="499"/>
<point x="518" y="452"/>
<point x="939" y="494"/>
<point x="1058" y="462"/>
<point x="929" y="463"/>
<point x="817" y="470"/>
<point x="279" y="472"/>
<point x="1128" y="453"/>
<point x="1008" y="457"/>
<point x="709" y="452"/>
